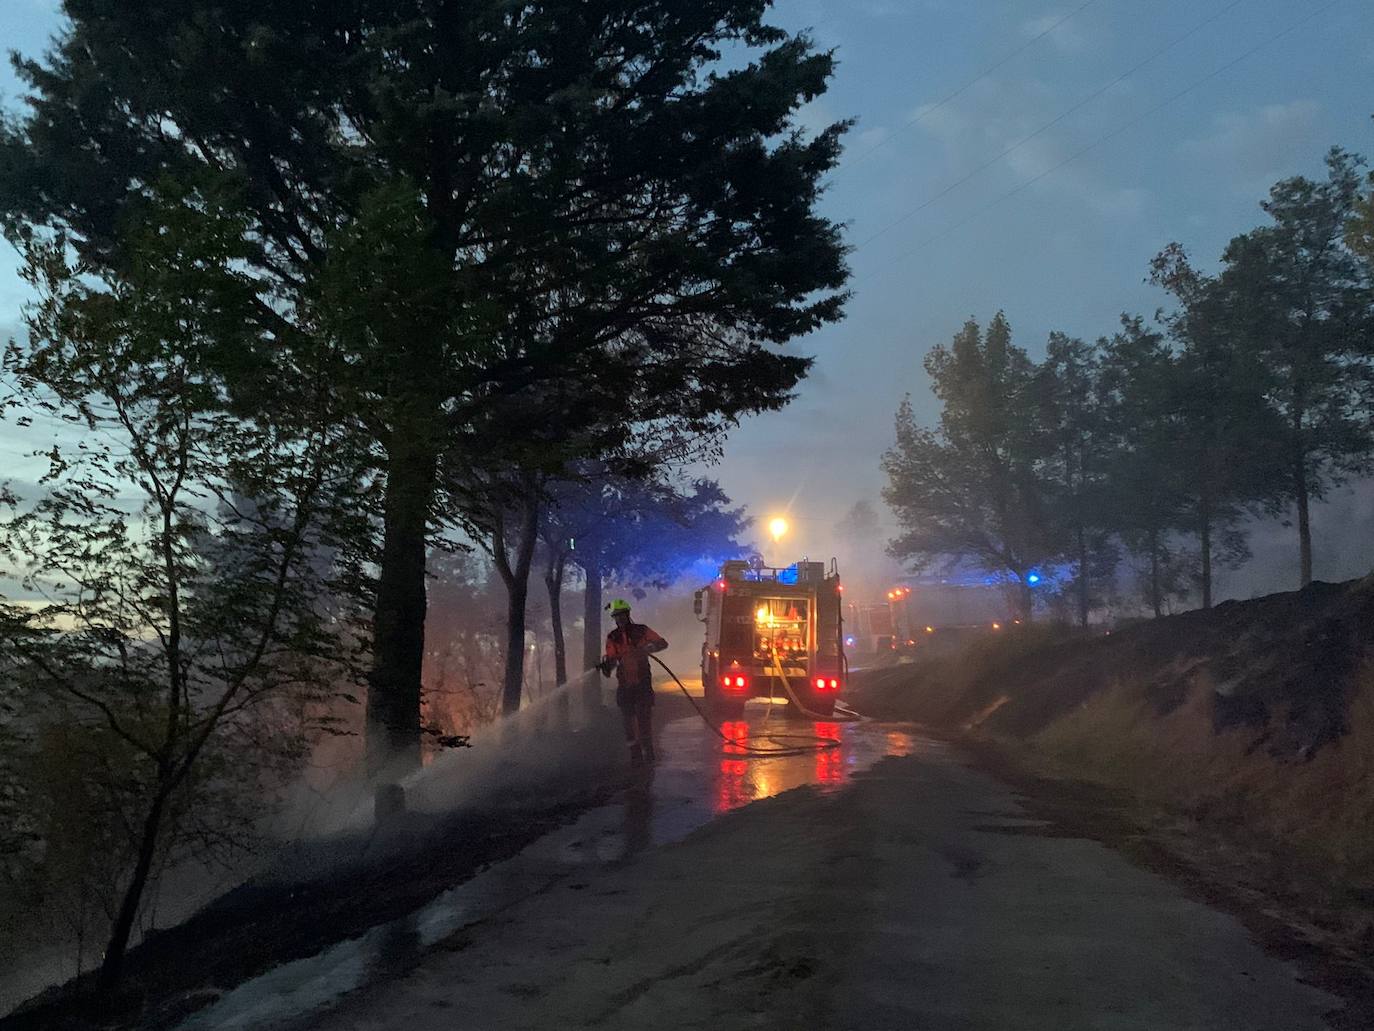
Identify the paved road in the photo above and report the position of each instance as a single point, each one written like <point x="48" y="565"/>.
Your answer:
<point x="896" y="887"/>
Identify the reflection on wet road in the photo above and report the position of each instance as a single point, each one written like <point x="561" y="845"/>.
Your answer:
<point x="697" y="778"/>
<point x="741" y="778"/>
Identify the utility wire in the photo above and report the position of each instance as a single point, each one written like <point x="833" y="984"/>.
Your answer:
<point x="1052" y="122"/>
<point x="1117" y="131"/>
<point x="926" y="112"/>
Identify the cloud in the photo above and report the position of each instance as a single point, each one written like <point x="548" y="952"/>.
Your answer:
<point x="999" y="115"/>
<point x="884" y="8"/>
<point x="987" y="118"/>
<point x="1342" y="545"/>
<point x="1125" y="202"/>
<point x="1071" y="37"/>
<point x="1253" y="149"/>
<point x="866" y="139"/>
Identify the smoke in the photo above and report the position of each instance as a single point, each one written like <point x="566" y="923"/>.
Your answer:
<point x="555" y="752"/>
<point x="1342" y="546"/>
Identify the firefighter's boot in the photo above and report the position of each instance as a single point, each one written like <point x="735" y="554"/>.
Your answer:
<point x="649" y="755"/>
<point x="636" y="755"/>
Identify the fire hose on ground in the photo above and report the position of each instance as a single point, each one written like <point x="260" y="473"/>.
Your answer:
<point x="776" y="744"/>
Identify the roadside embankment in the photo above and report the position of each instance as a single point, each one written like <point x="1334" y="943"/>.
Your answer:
<point x="1242" y="738"/>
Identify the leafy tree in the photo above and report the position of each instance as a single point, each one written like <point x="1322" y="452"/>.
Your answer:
<point x="1299" y="300"/>
<point x="643" y="533"/>
<point x="175" y="635"/>
<point x="1226" y="428"/>
<point x="468" y="198"/>
<point x="548" y="441"/>
<point x="1359" y="229"/>
<point x="1079" y="464"/>
<point x="975" y="487"/>
<point x="1145" y="499"/>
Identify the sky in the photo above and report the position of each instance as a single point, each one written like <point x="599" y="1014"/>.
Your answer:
<point x="998" y="165"/>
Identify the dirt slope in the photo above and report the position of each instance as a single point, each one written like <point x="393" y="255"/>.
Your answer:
<point x="1285" y="666"/>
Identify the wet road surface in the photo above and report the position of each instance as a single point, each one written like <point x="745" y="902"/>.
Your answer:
<point x="697" y="778"/>
<point x="900" y="889"/>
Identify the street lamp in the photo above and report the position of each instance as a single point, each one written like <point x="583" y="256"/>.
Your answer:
<point x="778" y="528"/>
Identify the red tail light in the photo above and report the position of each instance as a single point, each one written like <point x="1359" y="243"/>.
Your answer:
<point x="820" y="683"/>
<point x="733" y="683"/>
<point x="834" y="685"/>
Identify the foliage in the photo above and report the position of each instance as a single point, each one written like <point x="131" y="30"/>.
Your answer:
<point x="1079" y="468"/>
<point x="178" y="642"/>
<point x="643" y="534"/>
<point x="474" y="200"/>
<point x="975" y="488"/>
<point x="1146" y="498"/>
<point x="1300" y="303"/>
<point x="1226" y="428"/>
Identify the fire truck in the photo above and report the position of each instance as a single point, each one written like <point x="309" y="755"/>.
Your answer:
<point x="765" y="624"/>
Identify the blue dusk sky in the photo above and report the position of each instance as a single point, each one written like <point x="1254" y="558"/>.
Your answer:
<point x="998" y="165"/>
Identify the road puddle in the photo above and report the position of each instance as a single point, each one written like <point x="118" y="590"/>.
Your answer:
<point x="698" y="778"/>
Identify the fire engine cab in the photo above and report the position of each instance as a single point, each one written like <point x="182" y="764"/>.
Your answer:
<point x="764" y="624"/>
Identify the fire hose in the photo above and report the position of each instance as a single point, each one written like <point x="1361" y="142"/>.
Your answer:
<point x="776" y="743"/>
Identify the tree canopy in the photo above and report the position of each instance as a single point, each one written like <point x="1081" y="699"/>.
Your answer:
<point x="444" y="205"/>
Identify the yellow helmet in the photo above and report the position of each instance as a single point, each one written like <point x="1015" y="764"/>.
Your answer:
<point x="619" y="605"/>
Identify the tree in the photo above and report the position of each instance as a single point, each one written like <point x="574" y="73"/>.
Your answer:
<point x="1359" y="230"/>
<point x="1145" y="496"/>
<point x="1299" y="299"/>
<point x="1079" y="464"/>
<point x="469" y="198"/>
<point x="170" y="629"/>
<point x="1226" y="428"/>
<point x="975" y="488"/>
<point x="645" y="534"/>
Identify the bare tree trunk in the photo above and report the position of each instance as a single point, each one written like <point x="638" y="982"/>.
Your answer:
<point x="1082" y="578"/>
<point x="593" y="645"/>
<point x="1155" y="592"/>
<point x="1205" y="535"/>
<point x="553" y="580"/>
<point x="393" y="696"/>
<point x="516" y="576"/>
<point x="113" y="964"/>
<point x="1304" y="526"/>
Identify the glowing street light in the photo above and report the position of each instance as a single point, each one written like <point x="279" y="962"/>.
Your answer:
<point x="778" y="528"/>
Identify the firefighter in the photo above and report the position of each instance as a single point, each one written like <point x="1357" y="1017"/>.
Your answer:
<point x="628" y="647"/>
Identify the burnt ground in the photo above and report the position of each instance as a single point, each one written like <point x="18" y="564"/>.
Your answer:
<point x="1284" y="665"/>
<point x="256" y="927"/>
<point x="320" y="893"/>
